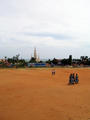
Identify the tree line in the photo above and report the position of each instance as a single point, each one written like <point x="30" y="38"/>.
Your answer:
<point x="16" y="61"/>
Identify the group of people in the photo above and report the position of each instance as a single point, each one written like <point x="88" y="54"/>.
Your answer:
<point x="73" y="78"/>
<point x="53" y="72"/>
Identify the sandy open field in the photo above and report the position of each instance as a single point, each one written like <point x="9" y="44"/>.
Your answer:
<point x="34" y="94"/>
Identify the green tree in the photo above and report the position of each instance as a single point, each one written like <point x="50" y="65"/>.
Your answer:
<point x="32" y="60"/>
<point x="70" y="60"/>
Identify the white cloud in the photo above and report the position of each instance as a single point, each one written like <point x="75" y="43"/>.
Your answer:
<point x="38" y="17"/>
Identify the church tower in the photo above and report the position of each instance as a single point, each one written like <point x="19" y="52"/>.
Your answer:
<point x="37" y="59"/>
<point x="35" y="53"/>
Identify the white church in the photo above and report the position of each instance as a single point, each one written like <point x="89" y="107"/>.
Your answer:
<point x="36" y="56"/>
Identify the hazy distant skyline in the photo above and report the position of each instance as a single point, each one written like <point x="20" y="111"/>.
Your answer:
<point x="57" y="28"/>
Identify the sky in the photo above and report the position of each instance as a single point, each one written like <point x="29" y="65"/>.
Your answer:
<point x="57" y="28"/>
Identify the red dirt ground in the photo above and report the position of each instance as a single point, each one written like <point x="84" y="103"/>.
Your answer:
<point x="34" y="94"/>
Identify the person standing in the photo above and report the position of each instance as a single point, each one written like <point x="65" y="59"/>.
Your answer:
<point x="53" y="72"/>
<point x="76" y="78"/>
<point x="71" y="79"/>
<point x="73" y="76"/>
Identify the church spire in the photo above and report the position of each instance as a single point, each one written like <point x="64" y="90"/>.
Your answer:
<point x="35" y="53"/>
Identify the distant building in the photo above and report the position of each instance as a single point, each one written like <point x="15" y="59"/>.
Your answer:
<point x="36" y="56"/>
<point x="35" y="53"/>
